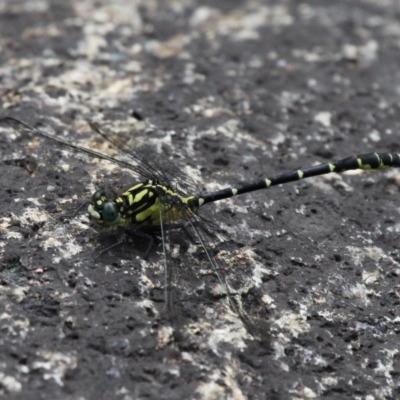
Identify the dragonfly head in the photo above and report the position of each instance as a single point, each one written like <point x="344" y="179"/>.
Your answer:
<point x="103" y="211"/>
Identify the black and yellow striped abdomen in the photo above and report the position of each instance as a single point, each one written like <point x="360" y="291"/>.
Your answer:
<point x="369" y="161"/>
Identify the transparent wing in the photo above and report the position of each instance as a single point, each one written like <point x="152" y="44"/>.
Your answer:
<point x="152" y="165"/>
<point x="144" y="162"/>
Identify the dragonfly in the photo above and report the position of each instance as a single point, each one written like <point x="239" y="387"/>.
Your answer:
<point x="165" y="197"/>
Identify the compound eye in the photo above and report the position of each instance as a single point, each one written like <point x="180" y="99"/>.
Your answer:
<point x="97" y="196"/>
<point x="111" y="213"/>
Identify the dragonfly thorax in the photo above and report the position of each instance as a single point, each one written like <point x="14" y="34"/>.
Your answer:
<point x="144" y="204"/>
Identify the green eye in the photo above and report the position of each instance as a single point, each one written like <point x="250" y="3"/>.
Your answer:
<point x="96" y="196"/>
<point x="111" y="213"/>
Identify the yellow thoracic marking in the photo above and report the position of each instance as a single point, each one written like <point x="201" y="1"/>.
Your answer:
<point x="234" y="191"/>
<point x="149" y="213"/>
<point x="137" y="197"/>
<point x="331" y="167"/>
<point x="300" y="174"/>
<point x="137" y="186"/>
<point x="268" y="182"/>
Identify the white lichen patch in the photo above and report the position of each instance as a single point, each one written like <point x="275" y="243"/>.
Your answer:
<point x="356" y="292"/>
<point x="164" y="336"/>
<point x="303" y="392"/>
<point x="329" y="182"/>
<point x="370" y="277"/>
<point x="147" y="305"/>
<point x="66" y="247"/>
<point x="18" y="293"/>
<point x="259" y="271"/>
<point x="32" y="215"/>
<point x="231" y="330"/>
<point x="375" y="136"/>
<point x="9" y="383"/>
<point x="372" y="252"/>
<point x="324" y="118"/>
<point x="55" y="365"/>
<point x="269" y="301"/>
<point x="14" y="235"/>
<point x="218" y="383"/>
<point x="295" y="324"/>
<point x="16" y="327"/>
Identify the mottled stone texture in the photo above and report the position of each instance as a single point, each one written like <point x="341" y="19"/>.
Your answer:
<point x="230" y="91"/>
